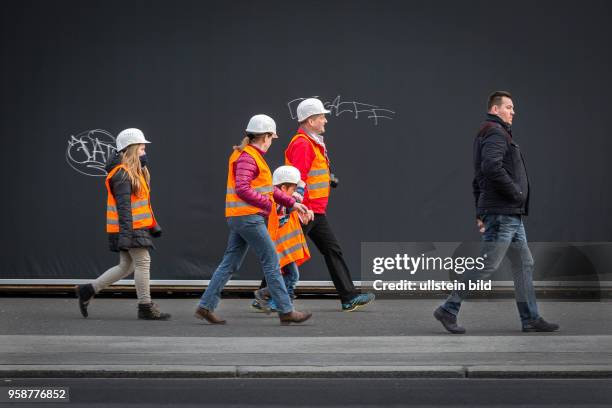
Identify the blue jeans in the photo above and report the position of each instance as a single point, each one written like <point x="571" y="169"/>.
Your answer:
<point x="291" y="276"/>
<point x="504" y="235"/>
<point x="248" y="231"/>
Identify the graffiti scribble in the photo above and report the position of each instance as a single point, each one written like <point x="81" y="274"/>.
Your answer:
<point x="88" y="151"/>
<point x="338" y="107"/>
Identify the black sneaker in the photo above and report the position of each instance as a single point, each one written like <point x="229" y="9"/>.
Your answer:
<point x="84" y="293"/>
<point x="448" y="320"/>
<point x="540" y="325"/>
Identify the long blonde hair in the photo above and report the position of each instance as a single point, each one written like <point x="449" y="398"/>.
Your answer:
<point x="250" y="138"/>
<point x="131" y="161"/>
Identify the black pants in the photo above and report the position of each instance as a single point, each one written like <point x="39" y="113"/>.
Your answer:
<point x="320" y="232"/>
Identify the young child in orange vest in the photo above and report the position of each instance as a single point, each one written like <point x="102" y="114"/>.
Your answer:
<point x="290" y="242"/>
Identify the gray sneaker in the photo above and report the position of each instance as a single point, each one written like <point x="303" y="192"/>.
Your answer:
<point x="262" y="296"/>
<point x="539" y="325"/>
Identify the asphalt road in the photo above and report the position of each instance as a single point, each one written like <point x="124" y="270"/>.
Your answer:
<point x="324" y="392"/>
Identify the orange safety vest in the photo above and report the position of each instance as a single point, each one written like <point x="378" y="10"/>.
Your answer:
<point x="235" y="206"/>
<point x="142" y="213"/>
<point x="291" y="243"/>
<point x="317" y="180"/>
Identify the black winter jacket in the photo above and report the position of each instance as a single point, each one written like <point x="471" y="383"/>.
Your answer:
<point x="121" y="188"/>
<point x="500" y="185"/>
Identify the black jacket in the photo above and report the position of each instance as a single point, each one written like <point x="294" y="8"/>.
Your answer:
<point x="121" y="188"/>
<point x="500" y="181"/>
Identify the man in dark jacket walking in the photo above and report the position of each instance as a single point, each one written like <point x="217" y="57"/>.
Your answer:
<point x="501" y="192"/>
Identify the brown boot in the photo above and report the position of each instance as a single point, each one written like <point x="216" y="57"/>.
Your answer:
<point x="294" y="317"/>
<point x="210" y="317"/>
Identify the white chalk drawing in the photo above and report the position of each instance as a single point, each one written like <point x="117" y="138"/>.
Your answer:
<point x="88" y="151"/>
<point x="338" y="107"/>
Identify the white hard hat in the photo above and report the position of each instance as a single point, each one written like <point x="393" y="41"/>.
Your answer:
<point x="286" y="174"/>
<point x="129" y="137"/>
<point x="261" y="124"/>
<point x="309" y="107"/>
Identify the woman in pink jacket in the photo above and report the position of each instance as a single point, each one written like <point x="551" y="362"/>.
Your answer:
<point x="248" y="204"/>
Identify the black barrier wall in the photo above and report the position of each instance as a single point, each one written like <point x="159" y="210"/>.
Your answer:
<point x="406" y="82"/>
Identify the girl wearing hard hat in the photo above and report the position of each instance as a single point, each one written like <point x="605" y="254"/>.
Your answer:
<point x="130" y="224"/>
<point x="250" y="200"/>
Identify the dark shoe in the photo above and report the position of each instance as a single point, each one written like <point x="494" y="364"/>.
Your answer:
<point x="540" y="325"/>
<point x="358" y="301"/>
<point x="294" y="317"/>
<point x="150" y="311"/>
<point x="210" y="317"/>
<point x="84" y="293"/>
<point x="449" y="321"/>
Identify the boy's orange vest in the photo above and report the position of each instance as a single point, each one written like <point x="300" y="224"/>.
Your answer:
<point x="291" y="242"/>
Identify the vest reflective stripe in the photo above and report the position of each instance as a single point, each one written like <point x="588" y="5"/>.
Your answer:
<point x="319" y="172"/>
<point x="141" y="203"/>
<point x="291" y="243"/>
<point x="142" y="216"/>
<point x="262" y="190"/>
<point x="142" y="213"/>
<point x="317" y="186"/>
<point x="235" y="204"/>
<point x="289" y="251"/>
<point x="288" y="236"/>
<point x="318" y="177"/>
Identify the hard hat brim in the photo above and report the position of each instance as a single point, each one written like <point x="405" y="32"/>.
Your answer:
<point x="259" y="132"/>
<point x="325" y="112"/>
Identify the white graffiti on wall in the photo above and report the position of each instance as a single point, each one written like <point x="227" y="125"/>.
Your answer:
<point x="88" y="151"/>
<point x="339" y="107"/>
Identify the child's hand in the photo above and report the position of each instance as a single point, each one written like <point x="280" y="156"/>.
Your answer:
<point x="302" y="209"/>
<point x="306" y="218"/>
<point x="303" y="218"/>
<point x="298" y="197"/>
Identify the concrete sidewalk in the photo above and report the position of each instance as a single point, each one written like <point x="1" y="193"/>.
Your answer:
<point x="391" y="338"/>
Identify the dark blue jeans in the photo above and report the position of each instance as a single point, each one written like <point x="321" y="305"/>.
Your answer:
<point x="248" y="231"/>
<point x="291" y="276"/>
<point x="504" y="235"/>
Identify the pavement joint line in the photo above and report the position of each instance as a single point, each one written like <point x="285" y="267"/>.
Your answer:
<point x="306" y="371"/>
